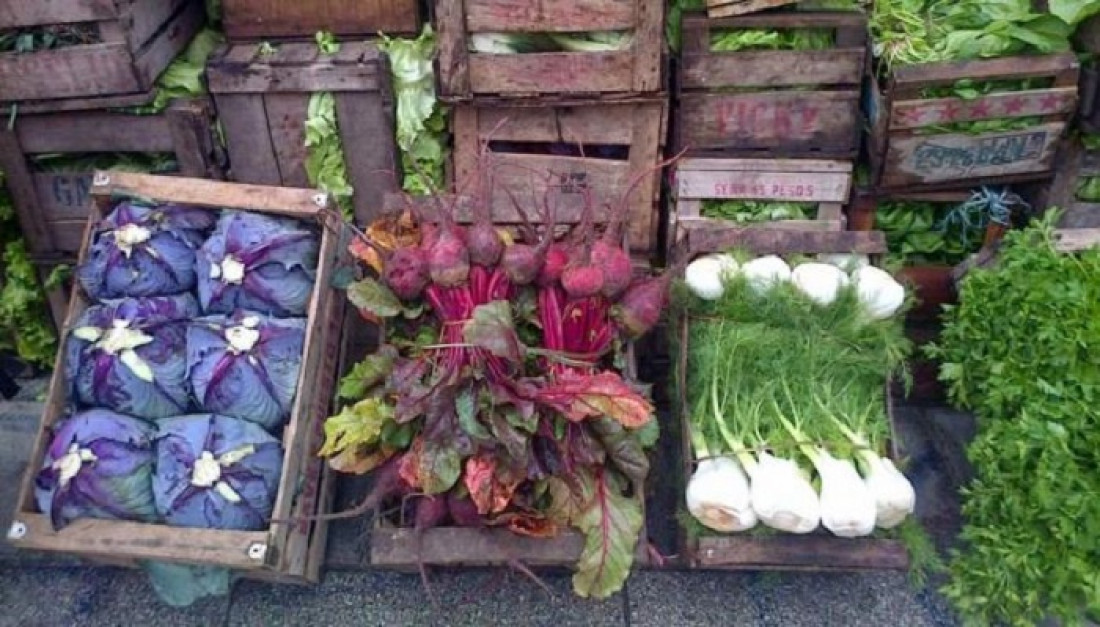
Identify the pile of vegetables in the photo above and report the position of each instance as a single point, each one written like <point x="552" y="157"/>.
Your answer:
<point x="521" y="43"/>
<point x="785" y="383"/>
<point x="1030" y="548"/>
<point x="748" y="211"/>
<point x="500" y="395"/>
<point x="183" y="371"/>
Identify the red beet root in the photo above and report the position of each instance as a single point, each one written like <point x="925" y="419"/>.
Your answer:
<point x="431" y="511"/>
<point x="557" y="258"/>
<point x="581" y="279"/>
<point x="406" y="272"/>
<point x="614" y="262"/>
<point x="639" y="309"/>
<point x="449" y="259"/>
<point x="485" y="245"/>
<point x="464" y="511"/>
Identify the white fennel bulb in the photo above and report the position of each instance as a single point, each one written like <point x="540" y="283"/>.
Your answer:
<point x="764" y="272"/>
<point x="821" y="282"/>
<point x="880" y="294"/>
<point x="845" y="261"/>
<point x="718" y="496"/>
<point x="782" y="496"/>
<point x="848" y="508"/>
<point x="730" y="267"/>
<point x="704" y="278"/>
<point x="895" y="498"/>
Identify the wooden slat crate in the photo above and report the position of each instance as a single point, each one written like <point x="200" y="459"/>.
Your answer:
<point x="136" y="40"/>
<point x="769" y="103"/>
<point x="53" y="206"/>
<point x="1079" y="164"/>
<point x="286" y="553"/>
<point x="730" y="8"/>
<point x="631" y="134"/>
<point x="828" y="183"/>
<point x="464" y="74"/>
<point x="818" y="551"/>
<point x="301" y="19"/>
<point x="262" y="104"/>
<point x="905" y="157"/>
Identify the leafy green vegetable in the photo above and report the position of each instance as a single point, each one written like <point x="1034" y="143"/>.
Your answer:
<point x="1032" y="534"/>
<point x="673" y="17"/>
<point x="1088" y="189"/>
<point x="325" y="163"/>
<point x="421" y="120"/>
<point x="25" y="323"/>
<point x="757" y="211"/>
<point x="184" y="76"/>
<point x="732" y="40"/>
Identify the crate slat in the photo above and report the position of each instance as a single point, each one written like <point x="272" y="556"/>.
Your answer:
<point x="279" y="19"/>
<point x="725" y="8"/>
<point x="18" y="14"/>
<point x="533" y="16"/>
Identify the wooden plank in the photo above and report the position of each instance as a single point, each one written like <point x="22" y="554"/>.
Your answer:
<point x="780" y="121"/>
<point x="772" y="68"/>
<point x="643" y="222"/>
<point x="63" y="195"/>
<point x="724" y="8"/>
<point x="909" y="114"/>
<point x="67" y="236"/>
<point x="73" y="72"/>
<point x="286" y="121"/>
<point x="698" y="26"/>
<point x="763" y="185"/>
<point x="588" y="125"/>
<point x="119" y="101"/>
<point x="458" y="546"/>
<point x="251" y="154"/>
<point x="921" y="159"/>
<point x="463" y="210"/>
<point x="20" y="13"/>
<point x="21" y="185"/>
<point x="372" y="165"/>
<point x="143" y="18"/>
<point x="814" y="552"/>
<point x="454" y="57"/>
<point x="152" y="58"/>
<point x="1004" y="68"/>
<point x="767" y="165"/>
<point x="569" y="176"/>
<point x="262" y="76"/>
<point x="767" y="241"/>
<point x="648" y="47"/>
<point x="93" y="131"/>
<point x="1080" y="215"/>
<point x="686" y="224"/>
<point x="551" y="72"/>
<point x="1071" y="240"/>
<point x="298" y="203"/>
<point x="547" y="16"/>
<point x="273" y="19"/>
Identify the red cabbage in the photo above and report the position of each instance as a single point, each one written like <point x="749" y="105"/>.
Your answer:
<point x="140" y="250"/>
<point x="130" y="356"/>
<point x="257" y="262"/>
<point x="216" y="472"/>
<point x="246" y="365"/>
<point x="99" y="465"/>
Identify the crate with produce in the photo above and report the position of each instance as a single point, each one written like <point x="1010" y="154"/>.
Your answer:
<point x="583" y="153"/>
<point x="968" y="93"/>
<point x="500" y="48"/>
<point x="791" y="194"/>
<point x="309" y="114"/>
<point x="184" y="413"/>
<point x="790" y="455"/>
<point x="77" y="49"/>
<point x="505" y="425"/>
<point x="776" y="84"/>
<point x="274" y="20"/>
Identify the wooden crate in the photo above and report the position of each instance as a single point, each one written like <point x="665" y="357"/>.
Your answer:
<point x="827" y="183"/>
<point x="730" y="8"/>
<point x="53" y="206"/>
<point x="464" y="74"/>
<point x="262" y="104"/>
<point x="137" y="41"/>
<point x="776" y="115"/>
<point x="904" y="158"/>
<point x="290" y="553"/>
<point x="635" y="129"/>
<point x="301" y="19"/>
<point x="1079" y="164"/>
<point x="818" y="551"/>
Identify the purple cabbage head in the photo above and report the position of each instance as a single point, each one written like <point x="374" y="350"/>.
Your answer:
<point x="257" y="262"/>
<point x="216" y="472"/>
<point x="246" y="365"/>
<point x="98" y="465"/>
<point x="140" y="250"/>
<point x="130" y="356"/>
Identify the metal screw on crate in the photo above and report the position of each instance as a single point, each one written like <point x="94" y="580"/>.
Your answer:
<point x="257" y="551"/>
<point x="17" y="531"/>
<point x="101" y="179"/>
<point x="320" y="199"/>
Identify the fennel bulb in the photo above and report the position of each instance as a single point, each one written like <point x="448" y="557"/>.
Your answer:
<point x="847" y="262"/>
<point x="880" y="294"/>
<point x="764" y="272"/>
<point x="848" y="508"/>
<point x="718" y="495"/>
<point x="704" y="277"/>
<point x="894" y="495"/>
<point x="782" y="496"/>
<point x="820" y="282"/>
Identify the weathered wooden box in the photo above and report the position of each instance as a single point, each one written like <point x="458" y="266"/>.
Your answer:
<point x="284" y="552"/>
<point x="263" y="99"/>
<point x="907" y="151"/>
<point x="1079" y="165"/>
<point x="619" y="143"/>
<point x="827" y="183"/>
<point x="817" y="551"/>
<point x="465" y="74"/>
<point x="769" y="103"/>
<point x="130" y="43"/>
<point x="730" y="8"/>
<point x="301" y="19"/>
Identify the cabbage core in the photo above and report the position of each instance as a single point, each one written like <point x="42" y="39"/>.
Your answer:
<point x="129" y="235"/>
<point x="69" y="465"/>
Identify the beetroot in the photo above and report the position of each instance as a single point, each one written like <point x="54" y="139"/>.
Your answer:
<point x="485" y="244"/>
<point x="582" y="280"/>
<point x="557" y="258"/>
<point x="406" y="272"/>
<point x="448" y="258"/>
<point x="463" y="511"/>
<point x="639" y="309"/>
<point x="431" y="511"/>
<point x="614" y="262"/>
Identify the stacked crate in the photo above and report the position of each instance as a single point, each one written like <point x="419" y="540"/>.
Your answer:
<point x="753" y="130"/>
<point x="593" y="121"/>
<point x="74" y="100"/>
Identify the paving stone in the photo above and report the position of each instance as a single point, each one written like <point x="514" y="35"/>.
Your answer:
<point x="680" y="598"/>
<point x="841" y="600"/>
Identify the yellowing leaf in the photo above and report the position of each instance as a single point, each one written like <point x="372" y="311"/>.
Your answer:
<point x="357" y="425"/>
<point x="359" y="460"/>
<point x="580" y="396"/>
